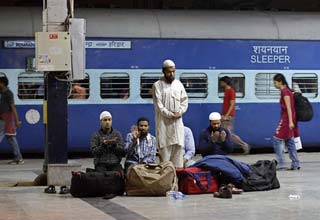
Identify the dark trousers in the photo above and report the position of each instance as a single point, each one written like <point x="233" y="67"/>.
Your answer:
<point x="102" y="167"/>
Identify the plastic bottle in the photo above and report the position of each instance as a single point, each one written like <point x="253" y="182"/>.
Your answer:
<point x="294" y="197"/>
<point x="175" y="195"/>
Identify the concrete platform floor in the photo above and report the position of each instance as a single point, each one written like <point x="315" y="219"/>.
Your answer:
<point x="28" y="203"/>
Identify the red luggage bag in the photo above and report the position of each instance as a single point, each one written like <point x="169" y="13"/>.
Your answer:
<point x="194" y="180"/>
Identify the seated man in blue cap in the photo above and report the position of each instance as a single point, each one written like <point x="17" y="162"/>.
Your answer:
<point x="215" y="139"/>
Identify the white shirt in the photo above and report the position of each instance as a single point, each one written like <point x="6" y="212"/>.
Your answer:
<point x="169" y="98"/>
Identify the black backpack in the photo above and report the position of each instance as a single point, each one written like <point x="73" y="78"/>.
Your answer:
<point x="304" y="111"/>
<point x="263" y="177"/>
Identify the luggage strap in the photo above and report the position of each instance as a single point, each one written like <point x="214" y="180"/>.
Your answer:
<point x="197" y="176"/>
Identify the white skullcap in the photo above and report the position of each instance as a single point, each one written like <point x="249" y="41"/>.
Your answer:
<point x="105" y="114"/>
<point x="214" y="116"/>
<point x="168" y="63"/>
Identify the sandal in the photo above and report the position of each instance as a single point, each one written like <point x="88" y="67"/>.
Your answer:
<point x="224" y="193"/>
<point x="50" y="189"/>
<point x="233" y="189"/>
<point x="64" y="190"/>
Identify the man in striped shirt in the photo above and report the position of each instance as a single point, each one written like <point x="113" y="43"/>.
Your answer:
<point x="140" y="145"/>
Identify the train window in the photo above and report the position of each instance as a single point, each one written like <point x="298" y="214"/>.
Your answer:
<point x="264" y="88"/>
<point x="114" y="85"/>
<point x="196" y="84"/>
<point x="146" y="82"/>
<point x="30" y="85"/>
<point x="238" y="84"/>
<point x="80" y="89"/>
<point x="307" y="83"/>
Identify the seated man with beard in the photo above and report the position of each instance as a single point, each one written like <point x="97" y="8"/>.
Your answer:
<point x="107" y="146"/>
<point x="215" y="139"/>
<point x="140" y="145"/>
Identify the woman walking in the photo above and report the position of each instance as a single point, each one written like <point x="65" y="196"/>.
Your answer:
<point x="285" y="129"/>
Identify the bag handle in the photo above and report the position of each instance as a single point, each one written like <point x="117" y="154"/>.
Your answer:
<point x="152" y="166"/>
<point x="196" y="176"/>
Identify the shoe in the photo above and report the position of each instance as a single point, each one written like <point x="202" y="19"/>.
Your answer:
<point x="224" y="193"/>
<point x="246" y="149"/>
<point x="64" y="190"/>
<point x="233" y="189"/>
<point x="281" y="168"/>
<point x="21" y="161"/>
<point x="109" y="196"/>
<point x="50" y="189"/>
<point x="294" y="168"/>
<point x="13" y="162"/>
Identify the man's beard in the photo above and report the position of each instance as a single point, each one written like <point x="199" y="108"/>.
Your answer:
<point x="143" y="133"/>
<point x="169" y="79"/>
<point x="215" y="129"/>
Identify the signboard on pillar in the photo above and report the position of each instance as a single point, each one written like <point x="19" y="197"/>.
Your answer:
<point x="53" y="51"/>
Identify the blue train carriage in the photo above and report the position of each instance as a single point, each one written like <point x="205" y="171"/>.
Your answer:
<point x="125" y="49"/>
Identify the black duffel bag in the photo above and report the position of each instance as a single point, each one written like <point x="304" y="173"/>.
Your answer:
<point x="94" y="184"/>
<point x="263" y="176"/>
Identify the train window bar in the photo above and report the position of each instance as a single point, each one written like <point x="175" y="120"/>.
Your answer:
<point x="146" y="82"/>
<point x="196" y="85"/>
<point x="307" y="83"/>
<point x="238" y="84"/>
<point x="264" y="88"/>
<point x="30" y="85"/>
<point x="114" y="85"/>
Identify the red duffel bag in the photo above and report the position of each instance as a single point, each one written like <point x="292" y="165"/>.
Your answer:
<point x="194" y="180"/>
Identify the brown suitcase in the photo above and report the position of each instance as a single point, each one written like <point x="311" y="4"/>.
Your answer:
<point x="151" y="179"/>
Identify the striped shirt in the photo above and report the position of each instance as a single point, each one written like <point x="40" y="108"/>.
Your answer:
<point x="143" y="151"/>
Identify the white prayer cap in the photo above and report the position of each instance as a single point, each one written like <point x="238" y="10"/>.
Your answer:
<point x="214" y="116"/>
<point x="105" y="114"/>
<point x="168" y="63"/>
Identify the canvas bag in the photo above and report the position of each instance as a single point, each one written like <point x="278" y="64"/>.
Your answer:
<point x="151" y="179"/>
<point x="194" y="180"/>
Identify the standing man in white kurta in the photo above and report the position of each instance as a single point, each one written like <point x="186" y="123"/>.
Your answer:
<point x="170" y="102"/>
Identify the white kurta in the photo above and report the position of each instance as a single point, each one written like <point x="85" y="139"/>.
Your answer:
<point x="167" y="99"/>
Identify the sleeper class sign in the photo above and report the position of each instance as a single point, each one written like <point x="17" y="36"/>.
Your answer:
<point x="270" y="55"/>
